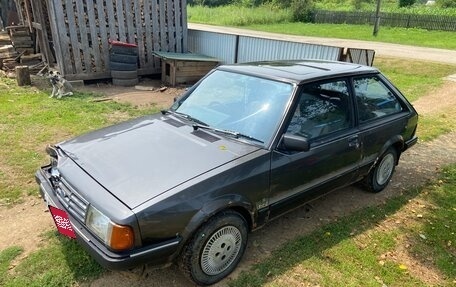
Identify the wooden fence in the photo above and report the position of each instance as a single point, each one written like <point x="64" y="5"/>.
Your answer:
<point x="429" y="22"/>
<point x="81" y="30"/>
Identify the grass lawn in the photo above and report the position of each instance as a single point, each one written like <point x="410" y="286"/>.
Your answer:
<point x="62" y="262"/>
<point x="414" y="78"/>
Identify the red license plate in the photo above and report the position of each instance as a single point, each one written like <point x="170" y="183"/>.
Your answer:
<point x="62" y="221"/>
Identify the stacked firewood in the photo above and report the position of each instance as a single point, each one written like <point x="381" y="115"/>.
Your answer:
<point x="8" y="54"/>
<point x="21" y="39"/>
<point x="16" y="49"/>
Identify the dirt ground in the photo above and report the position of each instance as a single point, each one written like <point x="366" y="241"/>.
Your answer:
<point x="417" y="166"/>
<point x="148" y="92"/>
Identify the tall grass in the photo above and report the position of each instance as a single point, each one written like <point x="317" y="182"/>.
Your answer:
<point x="232" y="15"/>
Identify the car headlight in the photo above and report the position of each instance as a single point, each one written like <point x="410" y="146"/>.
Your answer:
<point x="117" y="237"/>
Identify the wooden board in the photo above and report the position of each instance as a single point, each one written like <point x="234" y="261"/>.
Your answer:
<point x="176" y="72"/>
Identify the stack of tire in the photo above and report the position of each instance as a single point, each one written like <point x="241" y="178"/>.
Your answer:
<point x="123" y="61"/>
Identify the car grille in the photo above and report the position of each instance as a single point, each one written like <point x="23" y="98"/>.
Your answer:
<point x="75" y="204"/>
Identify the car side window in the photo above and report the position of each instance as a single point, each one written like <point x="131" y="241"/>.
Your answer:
<point x="374" y="99"/>
<point x="322" y="108"/>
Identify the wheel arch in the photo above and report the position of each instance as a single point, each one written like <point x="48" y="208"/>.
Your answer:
<point x="396" y="142"/>
<point x="233" y="202"/>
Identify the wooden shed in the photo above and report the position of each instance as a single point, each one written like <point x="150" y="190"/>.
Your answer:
<point x="74" y="34"/>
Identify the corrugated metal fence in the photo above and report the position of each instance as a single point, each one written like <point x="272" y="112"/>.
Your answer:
<point x="258" y="49"/>
<point x="217" y="45"/>
<point x="240" y="49"/>
<point x="229" y="49"/>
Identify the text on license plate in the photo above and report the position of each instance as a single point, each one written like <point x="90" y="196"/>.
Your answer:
<point x="62" y="221"/>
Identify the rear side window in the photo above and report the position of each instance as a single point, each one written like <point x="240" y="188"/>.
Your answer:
<point x="374" y="99"/>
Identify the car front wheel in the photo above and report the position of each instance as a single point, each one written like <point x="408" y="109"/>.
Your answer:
<point x="381" y="174"/>
<point x="216" y="248"/>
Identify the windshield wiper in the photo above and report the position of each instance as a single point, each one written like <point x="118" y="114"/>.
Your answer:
<point x="227" y="132"/>
<point x="185" y="116"/>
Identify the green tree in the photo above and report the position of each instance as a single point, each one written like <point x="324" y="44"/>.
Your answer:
<point x="406" y="3"/>
<point x="447" y="3"/>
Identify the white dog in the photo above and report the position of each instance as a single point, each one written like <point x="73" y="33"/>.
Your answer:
<point x="60" y="86"/>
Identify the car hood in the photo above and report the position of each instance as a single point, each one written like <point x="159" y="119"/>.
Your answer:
<point x="141" y="159"/>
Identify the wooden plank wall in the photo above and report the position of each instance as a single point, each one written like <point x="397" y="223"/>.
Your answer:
<point x="81" y="30"/>
<point x="40" y="24"/>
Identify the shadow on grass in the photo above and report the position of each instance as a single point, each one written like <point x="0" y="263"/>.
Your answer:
<point x="315" y="244"/>
<point x="62" y="262"/>
<point x="81" y="264"/>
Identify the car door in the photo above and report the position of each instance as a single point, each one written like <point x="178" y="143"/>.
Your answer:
<point x="323" y="115"/>
<point x="382" y="116"/>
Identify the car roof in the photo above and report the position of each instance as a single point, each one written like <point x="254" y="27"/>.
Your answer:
<point x="298" y="71"/>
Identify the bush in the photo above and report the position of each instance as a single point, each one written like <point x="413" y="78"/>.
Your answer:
<point x="447" y="3"/>
<point x="281" y="3"/>
<point x="209" y="3"/>
<point x="247" y="3"/>
<point x="358" y="4"/>
<point x="302" y="10"/>
<point x="406" y="3"/>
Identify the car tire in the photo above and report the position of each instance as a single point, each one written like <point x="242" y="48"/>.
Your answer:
<point x="381" y="174"/>
<point x="123" y="58"/>
<point x="118" y="66"/>
<point x="216" y="248"/>
<point x="124" y="74"/>
<point x="115" y="49"/>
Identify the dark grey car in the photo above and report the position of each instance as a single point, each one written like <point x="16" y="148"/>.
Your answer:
<point x="241" y="147"/>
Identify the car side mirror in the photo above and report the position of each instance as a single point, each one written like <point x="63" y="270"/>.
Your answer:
<point x="295" y="143"/>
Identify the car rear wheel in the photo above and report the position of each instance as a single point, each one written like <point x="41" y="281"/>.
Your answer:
<point x="379" y="177"/>
<point x="216" y="248"/>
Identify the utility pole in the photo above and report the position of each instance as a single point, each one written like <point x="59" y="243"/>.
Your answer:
<point x="377" y="19"/>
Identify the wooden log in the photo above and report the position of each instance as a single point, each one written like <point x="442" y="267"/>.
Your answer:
<point x="23" y="76"/>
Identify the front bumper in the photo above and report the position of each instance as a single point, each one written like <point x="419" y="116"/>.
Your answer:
<point x="156" y="254"/>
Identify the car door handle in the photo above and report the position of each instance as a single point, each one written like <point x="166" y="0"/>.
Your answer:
<point x="354" y="142"/>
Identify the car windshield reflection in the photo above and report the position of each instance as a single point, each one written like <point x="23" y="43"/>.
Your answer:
<point x="239" y="103"/>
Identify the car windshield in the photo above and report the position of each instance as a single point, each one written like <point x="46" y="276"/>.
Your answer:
<point x="246" y="105"/>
